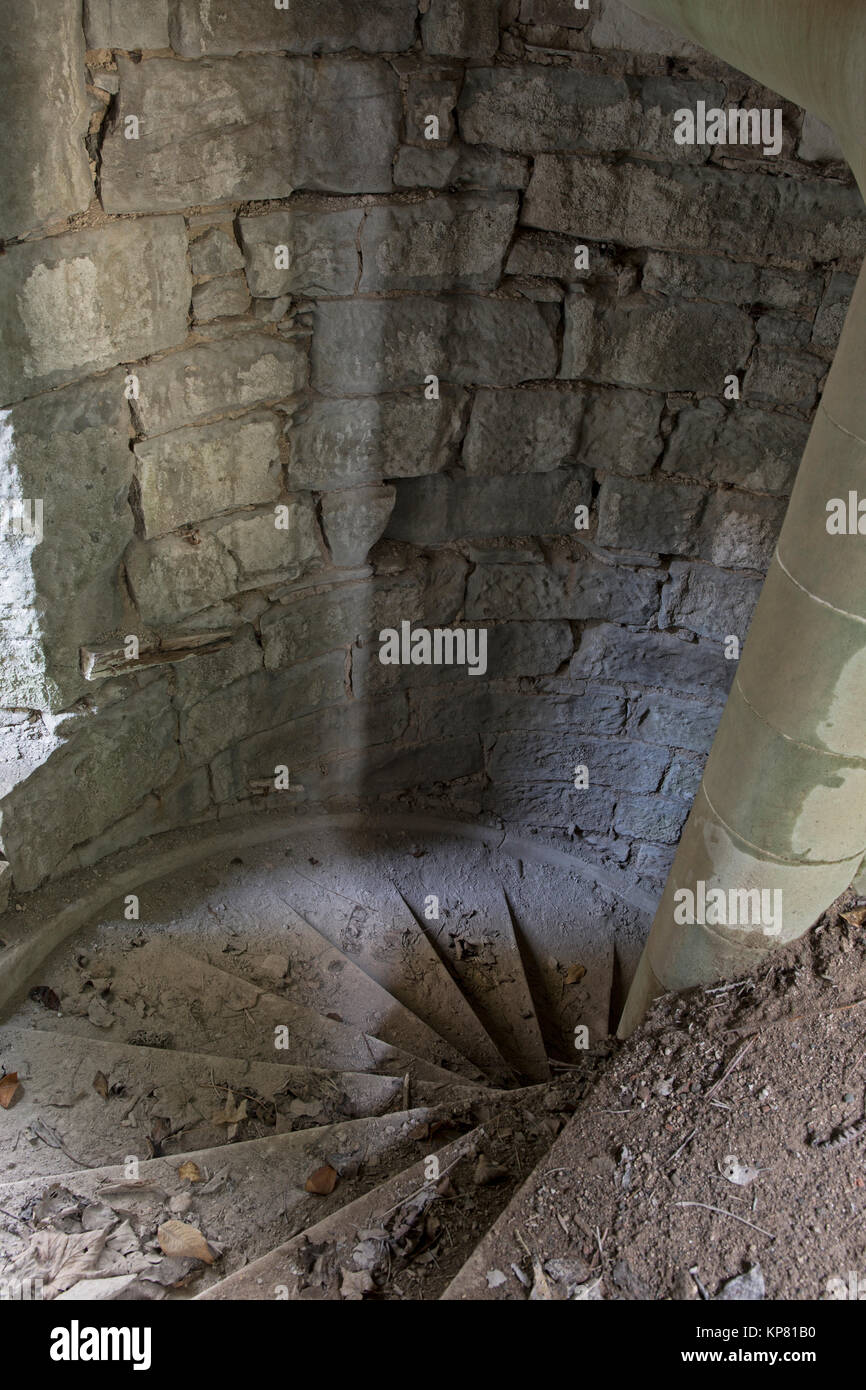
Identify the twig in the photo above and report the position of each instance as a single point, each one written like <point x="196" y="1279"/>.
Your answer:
<point x="688" y="1139"/>
<point x="733" y="1215"/>
<point x="736" y="1062"/>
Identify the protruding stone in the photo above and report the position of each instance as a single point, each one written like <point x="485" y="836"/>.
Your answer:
<point x="262" y="547"/>
<point x="354" y="520"/>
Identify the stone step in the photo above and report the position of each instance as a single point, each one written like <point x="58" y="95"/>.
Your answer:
<point x="380" y="1229"/>
<point x="156" y="989"/>
<point x="360" y="911"/>
<point x="289" y="957"/>
<point x="251" y="1196"/>
<point x="151" y="1087"/>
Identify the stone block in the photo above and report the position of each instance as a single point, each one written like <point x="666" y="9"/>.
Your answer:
<point x="195" y="473"/>
<point x="354" y="520"/>
<point x="552" y="807"/>
<point x="749" y="448"/>
<point x="492" y="712"/>
<point x="683" y="777"/>
<point x="459" y="166"/>
<point x="280" y="553"/>
<point x="89" y="783"/>
<point x="638" y="515"/>
<point x="709" y="601"/>
<point x="340" y="443"/>
<point x="740" y="531"/>
<point x="116" y="24"/>
<point x="322" y="251"/>
<point x="461" y="28"/>
<point x="68" y="450"/>
<point x="660" y="346"/>
<point x="223" y="27"/>
<point x="229" y="374"/>
<point x="523" y="431"/>
<point x="514" y="650"/>
<point x="834" y="307"/>
<point x="617" y="26"/>
<point x="790" y="378"/>
<point x="310" y="625"/>
<point x="430" y="511"/>
<point x="619" y="763"/>
<point x="172" y="578"/>
<point x="818" y="144"/>
<point x="367" y="346"/>
<point x="431" y="94"/>
<point x="456" y="242"/>
<point x="224" y="297"/>
<point x="84" y="301"/>
<point x="585" y="590"/>
<point x="679" y="723"/>
<point x="45" y="116"/>
<point x="257" y="702"/>
<point x="612" y="653"/>
<point x="657" y="818"/>
<point x="215" y="253"/>
<point x="249" y="129"/>
<point x="530" y="108"/>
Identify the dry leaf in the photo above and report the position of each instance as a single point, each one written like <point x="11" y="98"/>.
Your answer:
<point x="575" y="974"/>
<point x="542" y="1290"/>
<point x="178" y="1239"/>
<point x="100" y="1084"/>
<point x="46" y="997"/>
<point x="355" y="1283"/>
<point x="856" y="917"/>
<point x="322" y="1181"/>
<point x="190" y="1172"/>
<point x="59" y="1260"/>
<point x="9" y="1086"/>
<point x="487" y="1173"/>
<point x="231" y="1115"/>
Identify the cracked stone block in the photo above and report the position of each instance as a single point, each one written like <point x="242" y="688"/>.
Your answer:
<point x="83" y="301"/>
<point x="320" y="247"/>
<point x="456" y="242"/>
<point x="194" y="473"/>
<point x="338" y="443"/>
<point x="45" y="115"/>
<point x="215" y="253"/>
<point x="459" y="166"/>
<point x="262" y="547"/>
<point x="68" y="450"/>
<point x="225" y="27"/>
<point x="461" y="28"/>
<point x="174" y="577"/>
<point x="117" y="24"/>
<point x="354" y="520"/>
<point x="367" y="346"/>
<point x="223" y="297"/>
<point x="216" y="377"/>
<point x="249" y="129"/>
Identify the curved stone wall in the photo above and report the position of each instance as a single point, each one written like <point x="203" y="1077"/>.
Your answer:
<point x="326" y="319"/>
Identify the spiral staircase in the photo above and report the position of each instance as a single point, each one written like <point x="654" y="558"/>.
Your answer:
<point x="317" y="1067"/>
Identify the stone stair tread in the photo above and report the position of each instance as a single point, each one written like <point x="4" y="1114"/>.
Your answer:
<point x="325" y="978"/>
<point x="377" y="929"/>
<point x="475" y="935"/>
<point x="155" y="987"/>
<point x="252" y="1197"/>
<point x="57" y="1074"/>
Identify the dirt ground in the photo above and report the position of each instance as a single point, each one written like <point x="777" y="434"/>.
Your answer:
<point x="726" y="1098"/>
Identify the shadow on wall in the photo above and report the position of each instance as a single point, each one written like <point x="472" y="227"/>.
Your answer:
<point x="434" y="332"/>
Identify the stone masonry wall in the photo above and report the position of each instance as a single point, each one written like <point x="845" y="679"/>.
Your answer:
<point x="242" y="461"/>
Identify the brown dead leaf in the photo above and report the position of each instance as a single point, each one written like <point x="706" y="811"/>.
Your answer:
<point x="322" y="1181"/>
<point x="487" y="1173"/>
<point x="178" y="1239"/>
<point x="575" y="974"/>
<point x="46" y="997"/>
<point x="190" y="1172"/>
<point x="856" y="917"/>
<point x="100" y="1084"/>
<point x="9" y="1086"/>
<point x="231" y="1115"/>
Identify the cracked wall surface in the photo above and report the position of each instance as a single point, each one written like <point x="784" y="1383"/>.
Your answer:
<point x="170" y="385"/>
